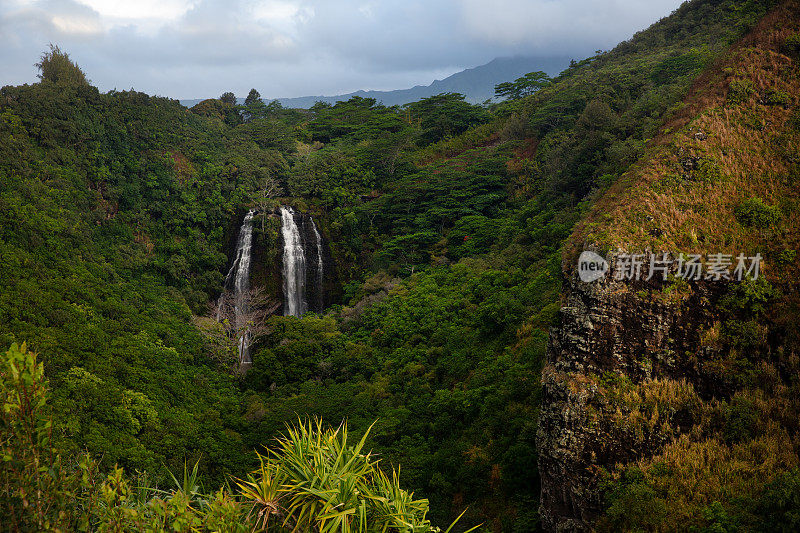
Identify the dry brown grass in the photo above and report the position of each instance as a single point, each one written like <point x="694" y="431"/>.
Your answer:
<point x="699" y="466"/>
<point x="646" y="410"/>
<point x="701" y="472"/>
<point x="744" y="143"/>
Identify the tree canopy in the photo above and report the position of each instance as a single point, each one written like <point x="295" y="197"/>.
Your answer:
<point x="228" y="98"/>
<point x="445" y="115"/>
<point x="252" y="97"/>
<point x="55" y="66"/>
<point x="522" y="86"/>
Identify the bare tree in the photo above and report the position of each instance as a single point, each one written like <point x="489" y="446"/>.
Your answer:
<point x="234" y="317"/>
<point x="269" y="189"/>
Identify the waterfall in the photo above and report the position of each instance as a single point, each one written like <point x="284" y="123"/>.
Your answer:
<point x="294" y="265"/>
<point x="303" y="264"/>
<point x="320" y="266"/>
<point x="239" y="275"/>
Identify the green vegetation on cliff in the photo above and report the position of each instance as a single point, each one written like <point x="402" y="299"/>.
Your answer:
<point x="716" y="447"/>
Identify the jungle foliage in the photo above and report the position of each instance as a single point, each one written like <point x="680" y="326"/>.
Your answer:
<point x="312" y="479"/>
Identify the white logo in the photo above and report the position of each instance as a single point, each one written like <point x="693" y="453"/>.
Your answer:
<point x="591" y="267"/>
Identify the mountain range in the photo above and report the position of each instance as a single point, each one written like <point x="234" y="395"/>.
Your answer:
<point x="476" y="84"/>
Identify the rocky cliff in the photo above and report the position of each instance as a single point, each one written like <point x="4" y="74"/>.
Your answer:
<point x="673" y="404"/>
<point x="617" y="337"/>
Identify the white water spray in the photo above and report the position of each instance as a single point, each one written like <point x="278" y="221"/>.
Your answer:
<point x="294" y="266"/>
<point x="320" y="264"/>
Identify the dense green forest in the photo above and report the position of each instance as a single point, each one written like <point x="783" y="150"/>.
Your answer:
<point x="445" y="220"/>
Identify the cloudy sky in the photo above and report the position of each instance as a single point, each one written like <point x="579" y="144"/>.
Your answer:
<point x="284" y="48"/>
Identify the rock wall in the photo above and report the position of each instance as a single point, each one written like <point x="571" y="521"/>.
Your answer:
<point x="265" y="269"/>
<point x="267" y="263"/>
<point x="612" y="332"/>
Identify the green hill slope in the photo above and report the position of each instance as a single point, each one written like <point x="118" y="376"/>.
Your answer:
<point x="114" y="209"/>
<point x="678" y="413"/>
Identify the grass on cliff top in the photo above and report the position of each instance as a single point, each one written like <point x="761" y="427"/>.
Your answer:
<point x="722" y="174"/>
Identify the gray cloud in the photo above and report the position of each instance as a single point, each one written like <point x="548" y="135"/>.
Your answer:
<point x="299" y="47"/>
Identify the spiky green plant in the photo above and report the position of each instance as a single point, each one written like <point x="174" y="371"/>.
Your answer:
<point x="313" y="480"/>
<point x="189" y="484"/>
<point x="262" y="490"/>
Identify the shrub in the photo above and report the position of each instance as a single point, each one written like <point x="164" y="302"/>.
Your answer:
<point x="753" y="212"/>
<point x="794" y="120"/>
<point x="708" y="171"/>
<point x="791" y="46"/>
<point x="718" y="520"/>
<point x="749" y="298"/>
<point x="779" y="505"/>
<point x="746" y="335"/>
<point x="786" y="257"/>
<point x="55" y="66"/>
<point x="776" y="97"/>
<point x="741" y="417"/>
<point x="739" y="91"/>
<point x="515" y="128"/>
<point x="633" y="504"/>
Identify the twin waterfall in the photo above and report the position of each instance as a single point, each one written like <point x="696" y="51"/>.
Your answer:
<point x="303" y="275"/>
<point x="303" y="264"/>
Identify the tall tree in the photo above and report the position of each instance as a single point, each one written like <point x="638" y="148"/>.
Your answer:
<point x="252" y="97"/>
<point x="254" y="107"/>
<point x="522" y="86"/>
<point x="445" y="115"/>
<point x="228" y="98"/>
<point x="56" y="66"/>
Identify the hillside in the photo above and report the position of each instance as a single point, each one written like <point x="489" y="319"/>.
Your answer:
<point x="453" y="334"/>
<point x="476" y="84"/>
<point x="678" y="384"/>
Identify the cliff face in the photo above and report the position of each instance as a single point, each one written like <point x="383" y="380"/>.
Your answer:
<point x="615" y="333"/>
<point x="692" y="384"/>
<point x="265" y="267"/>
<point x="267" y="262"/>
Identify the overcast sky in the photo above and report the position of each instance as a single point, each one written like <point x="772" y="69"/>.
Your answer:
<point x="284" y="48"/>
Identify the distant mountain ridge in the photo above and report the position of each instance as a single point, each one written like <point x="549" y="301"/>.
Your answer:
<point x="477" y="83"/>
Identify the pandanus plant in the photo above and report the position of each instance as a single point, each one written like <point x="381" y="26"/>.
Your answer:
<point x="313" y="480"/>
